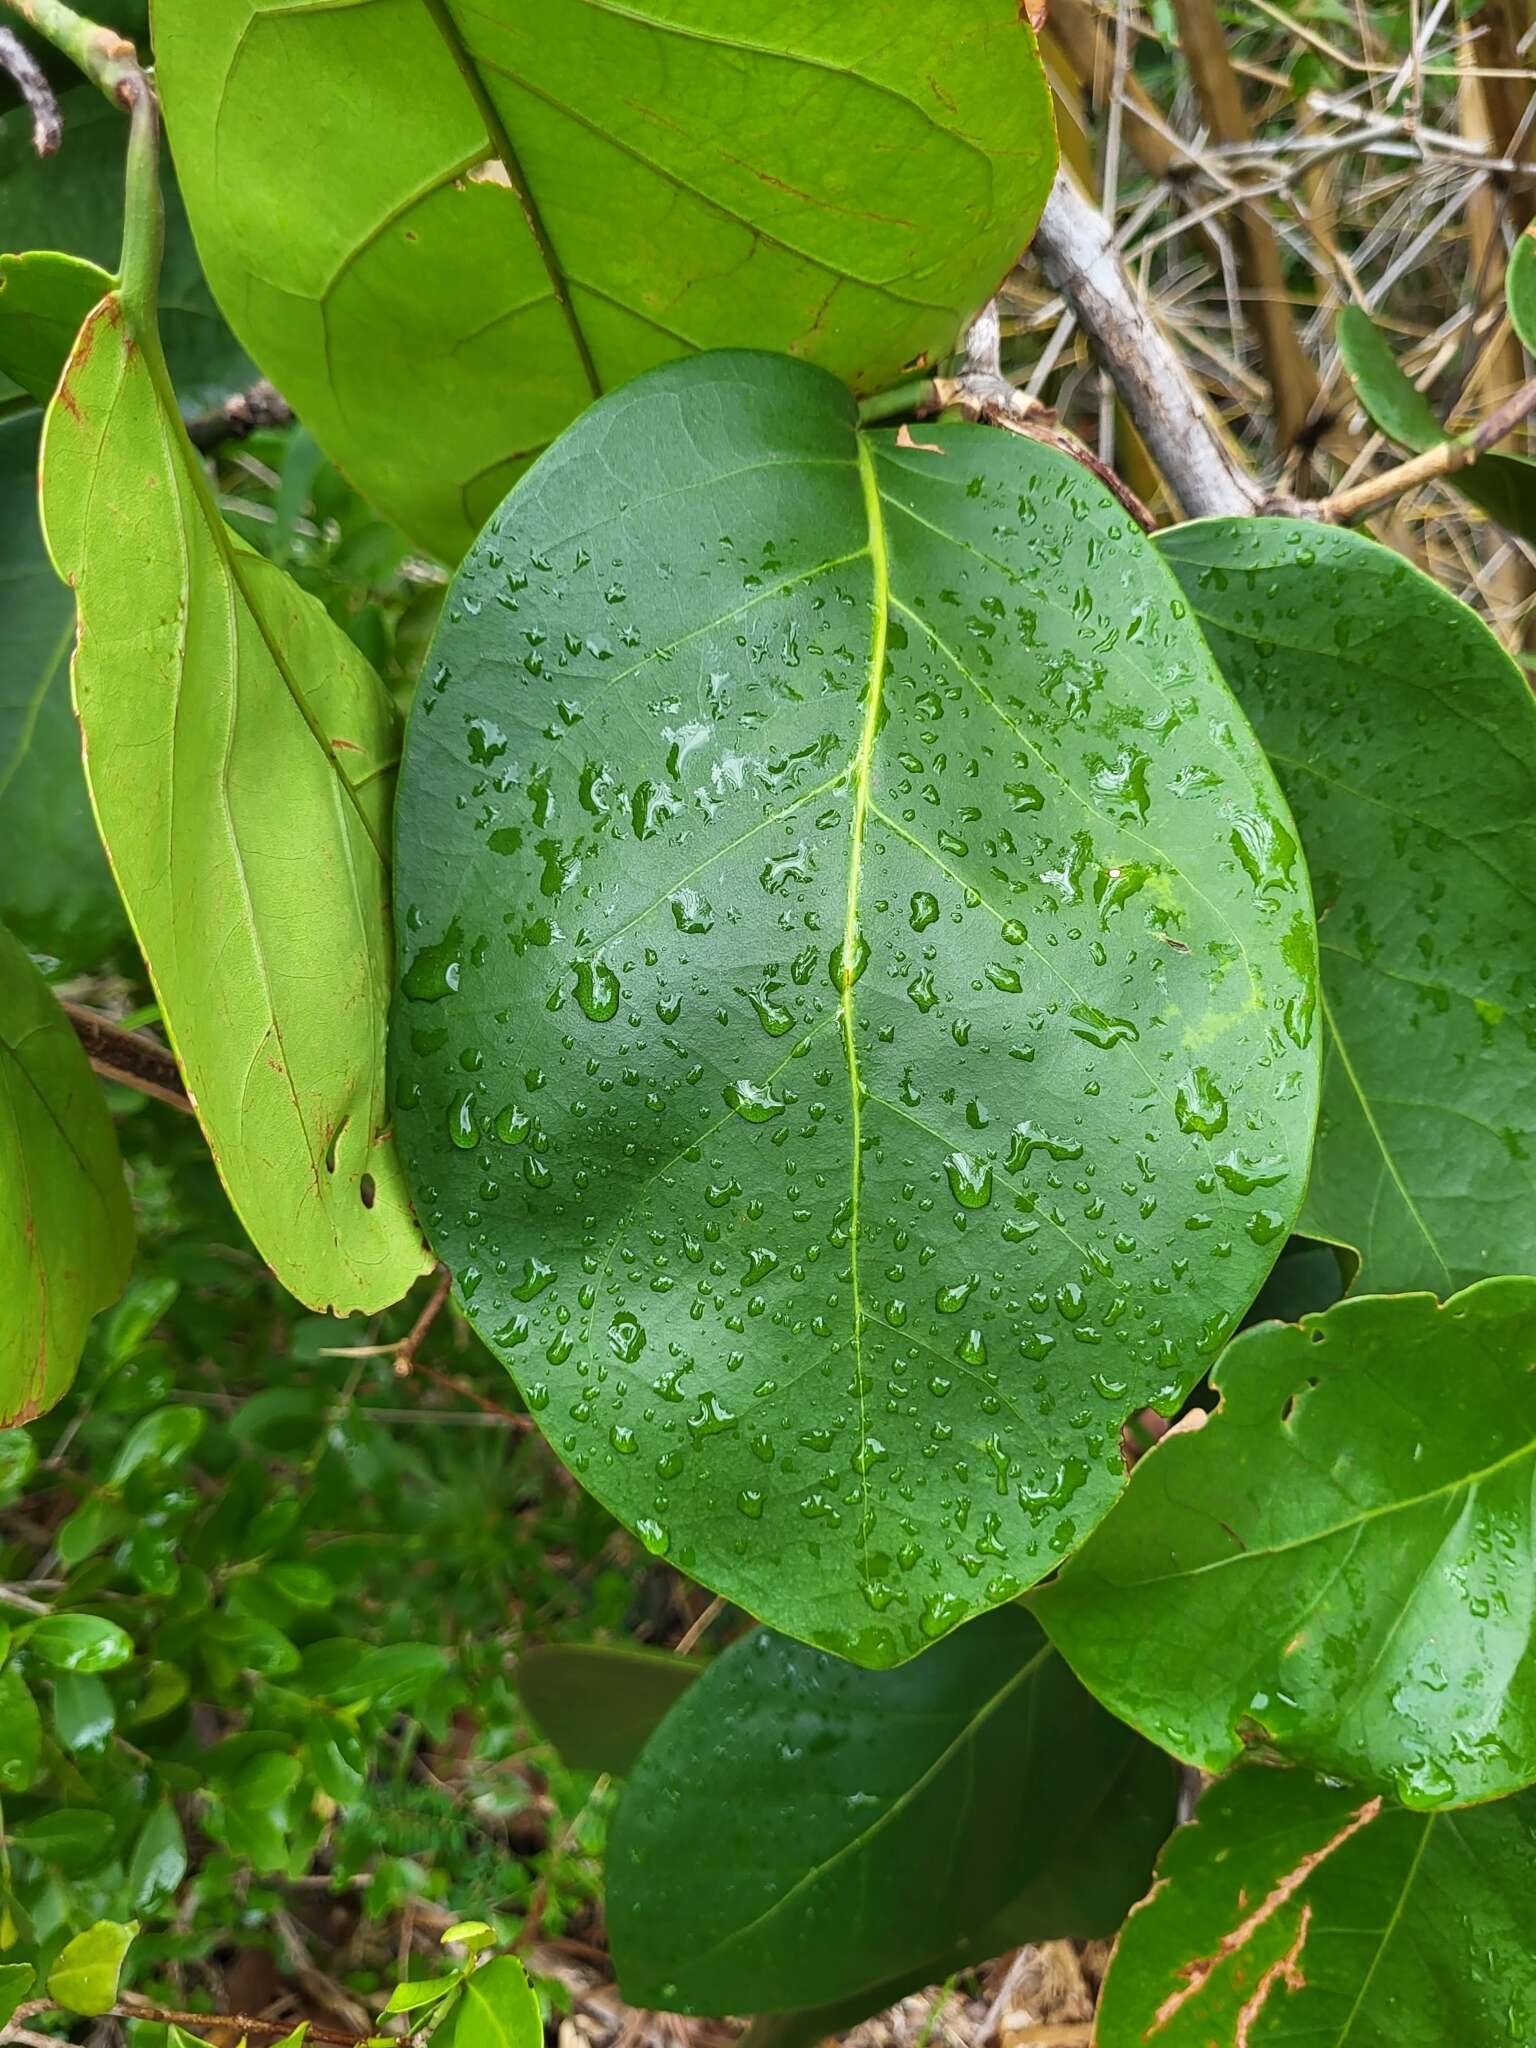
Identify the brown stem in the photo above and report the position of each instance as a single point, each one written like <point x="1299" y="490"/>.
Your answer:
<point x="1444" y="459"/>
<point x="133" y="2007"/>
<point x="241" y="415"/>
<point x="47" y="123"/>
<point x="415" y="1336"/>
<point x="129" y="1057"/>
<point x="1077" y="251"/>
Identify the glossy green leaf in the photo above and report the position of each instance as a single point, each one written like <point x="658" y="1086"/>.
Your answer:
<point x="72" y="202"/>
<point x="205" y="682"/>
<point x="856" y="989"/>
<point x="496" y="2009"/>
<point x="846" y="184"/>
<point x="44" y="299"/>
<point x="21" y="1732"/>
<point x="83" y="1713"/>
<point x="1405" y="739"/>
<point x="84" y="1979"/>
<point x="799" y="1830"/>
<point x="66" y="1229"/>
<point x="411" y="1997"/>
<point x="16" y="1981"/>
<point x="1338" y="1563"/>
<point x="159" y="1859"/>
<point x="599" y="1703"/>
<point x="79" y="1642"/>
<point x="1294" y="1911"/>
<point x="56" y="890"/>
<point x="1504" y="486"/>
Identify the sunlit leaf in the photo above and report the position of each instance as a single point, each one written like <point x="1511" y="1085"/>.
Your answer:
<point x="66" y="1230"/>
<point x="1405" y="739"/>
<point x="84" y="1979"/>
<point x="240" y="755"/>
<point x="853" y="1044"/>
<point x="1338" y="1564"/>
<point x="847" y="184"/>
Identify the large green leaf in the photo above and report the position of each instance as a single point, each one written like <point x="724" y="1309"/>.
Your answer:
<point x="531" y="204"/>
<point x="599" y="1703"/>
<point x="1504" y="486"/>
<point x="56" y="890"/>
<point x="240" y="755"/>
<point x="1294" y="1912"/>
<point x="798" y="1830"/>
<point x="66" y="1230"/>
<point x="1405" y="739"/>
<point x="857" y="977"/>
<point x="1339" y="1562"/>
<point x="73" y="201"/>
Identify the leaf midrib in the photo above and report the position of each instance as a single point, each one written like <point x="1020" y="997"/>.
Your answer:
<point x="501" y="143"/>
<point x="967" y="1734"/>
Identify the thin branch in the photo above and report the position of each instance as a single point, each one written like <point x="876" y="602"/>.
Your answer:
<point x="1076" y="249"/>
<point x="239" y="416"/>
<point x="129" y="1057"/>
<point x="47" y="122"/>
<point x="108" y="60"/>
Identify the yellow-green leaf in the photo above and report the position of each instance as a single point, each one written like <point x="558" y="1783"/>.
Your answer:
<point x="66" y="1230"/>
<point x="84" y="1979"/>
<point x="241" y="756"/>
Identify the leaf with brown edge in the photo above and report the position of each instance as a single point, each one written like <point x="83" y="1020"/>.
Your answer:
<point x="1293" y="1910"/>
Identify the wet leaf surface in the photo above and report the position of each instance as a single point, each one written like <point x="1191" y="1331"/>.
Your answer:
<point x="852" y="1046"/>
<point x="1295" y="1911"/>
<point x="845" y="184"/>
<point x="798" y="1831"/>
<point x="1405" y="738"/>
<point x="1338" y="1564"/>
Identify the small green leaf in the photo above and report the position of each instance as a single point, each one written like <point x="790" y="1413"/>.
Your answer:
<point x="600" y="1703"/>
<point x="163" y="1437"/>
<point x="1503" y="485"/>
<point x="83" y="1713"/>
<point x="1294" y="1911"/>
<point x="15" y="1982"/>
<point x="844" y="183"/>
<point x="84" y="1979"/>
<point x="921" y="1002"/>
<point x="21" y="1733"/>
<point x="79" y="1642"/>
<point x="44" y="300"/>
<point x="424" y="1991"/>
<point x="73" y="202"/>
<point x="799" y="1831"/>
<point x="66" y="1229"/>
<point x="271" y="972"/>
<point x="1338" y="1564"/>
<point x="1405" y="739"/>
<point x="496" y="2009"/>
<point x="472" y="1935"/>
<point x="1390" y="399"/>
<point x="159" y="1859"/>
